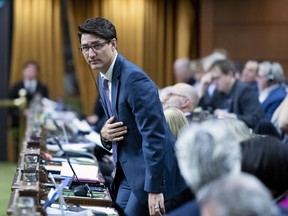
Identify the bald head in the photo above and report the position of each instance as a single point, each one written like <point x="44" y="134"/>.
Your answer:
<point x="183" y="96"/>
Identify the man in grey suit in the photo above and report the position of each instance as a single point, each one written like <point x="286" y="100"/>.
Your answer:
<point x="147" y="179"/>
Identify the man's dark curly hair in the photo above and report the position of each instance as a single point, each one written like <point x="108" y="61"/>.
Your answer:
<point x="101" y="27"/>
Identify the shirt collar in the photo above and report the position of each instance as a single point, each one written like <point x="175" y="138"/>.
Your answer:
<point x="265" y="93"/>
<point x="109" y="73"/>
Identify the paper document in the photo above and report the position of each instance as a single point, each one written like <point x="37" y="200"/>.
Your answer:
<point x="88" y="172"/>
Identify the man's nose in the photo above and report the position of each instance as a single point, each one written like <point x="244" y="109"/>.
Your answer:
<point x="91" y="52"/>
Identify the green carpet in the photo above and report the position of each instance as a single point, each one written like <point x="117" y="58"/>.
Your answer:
<point x="7" y="171"/>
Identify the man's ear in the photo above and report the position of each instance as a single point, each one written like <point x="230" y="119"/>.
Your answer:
<point x="114" y="44"/>
<point x="185" y="102"/>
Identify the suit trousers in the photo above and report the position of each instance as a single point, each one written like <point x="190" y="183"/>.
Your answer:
<point x="127" y="203"/>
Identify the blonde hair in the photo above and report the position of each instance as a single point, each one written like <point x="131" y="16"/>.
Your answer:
<point x="175" y="119"/>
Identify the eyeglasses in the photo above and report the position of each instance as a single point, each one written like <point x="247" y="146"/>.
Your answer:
<point x="217" y="77"/>
<point x="94" y="46"/>
<point x="174" y="94"/>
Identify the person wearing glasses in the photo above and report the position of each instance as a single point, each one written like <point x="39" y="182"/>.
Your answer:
<point x="147" y="179"/>
<point x="184" y="97"/>
<point x="241" y="101"/>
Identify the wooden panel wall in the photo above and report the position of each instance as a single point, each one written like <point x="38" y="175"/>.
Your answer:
<point x="246" y="29"/>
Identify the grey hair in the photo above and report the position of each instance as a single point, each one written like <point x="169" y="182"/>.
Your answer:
<point x="274" y="68"/>
<point x="240" y="130"/>
<point x="238" y="195"/>
<point x="206" y="151"/>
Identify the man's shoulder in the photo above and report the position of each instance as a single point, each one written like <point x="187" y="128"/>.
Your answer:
<point x="126" y="65"/>
<point x="239" y="85"/>
<point x="279" y="90"/>
<point x="241" y="88"/>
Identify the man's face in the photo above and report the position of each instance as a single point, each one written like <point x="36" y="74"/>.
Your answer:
<point x="175" y="99"/>
<point x="30" y="72"/>
<point x="262" y="79"/>
<point x="98" y="53"/>
<point x="221" y="80"/>
<point x="249" y="72"/>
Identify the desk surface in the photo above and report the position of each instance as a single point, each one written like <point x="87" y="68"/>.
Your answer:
<point x="39" y="148"/>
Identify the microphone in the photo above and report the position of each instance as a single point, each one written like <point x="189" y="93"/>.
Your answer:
<point x="62" y="152"/>
<point x="61" y="128"/>
<point x="80" y="190"/>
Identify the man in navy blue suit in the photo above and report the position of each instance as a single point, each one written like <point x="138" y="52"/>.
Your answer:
<point x="271" y="91"/>
<point x="147" y="179"/>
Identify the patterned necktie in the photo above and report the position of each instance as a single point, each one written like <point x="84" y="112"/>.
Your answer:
<point x="108" y="103"/>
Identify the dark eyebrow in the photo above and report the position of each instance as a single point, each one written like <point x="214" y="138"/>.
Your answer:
<point x="93" y="42"/>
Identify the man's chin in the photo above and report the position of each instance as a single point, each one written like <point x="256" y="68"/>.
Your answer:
<point x="94" y="66"/>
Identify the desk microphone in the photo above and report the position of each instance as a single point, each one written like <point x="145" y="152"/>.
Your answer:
<point x="63" y="152"/>
<point x="80" y="190"/>
<point x="61" y="128"/>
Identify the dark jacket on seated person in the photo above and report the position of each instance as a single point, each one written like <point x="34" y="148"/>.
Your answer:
<point x="243" y="102"/>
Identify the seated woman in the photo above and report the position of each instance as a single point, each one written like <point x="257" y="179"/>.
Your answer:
<point x="176" y="120"/>
<point x="266" y="157"/>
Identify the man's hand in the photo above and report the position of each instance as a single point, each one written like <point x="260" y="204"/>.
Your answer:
<point x="223" y="114"/>
<point x="156" y="204"/>
<point x="113" y="131"/>
<point x="205" y="81"/>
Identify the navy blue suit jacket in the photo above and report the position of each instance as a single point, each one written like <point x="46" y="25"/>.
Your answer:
<point x="276" y="96"/>
<point x="245" y="104"/>
<point x="146" y="154"/>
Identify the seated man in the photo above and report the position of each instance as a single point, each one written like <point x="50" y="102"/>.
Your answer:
<point x="241" y="101"/>
<point x="32" y="86"/>
<point x="240" y="194"/>
<point x="249" y="74"/>
<point x="271" y="92"/>
<point x="206" y="151"/>
<point x="184" y="97"/>
<point x="182" y="71"/>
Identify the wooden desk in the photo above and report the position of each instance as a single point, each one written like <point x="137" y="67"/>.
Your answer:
<point x="37" y="188"/>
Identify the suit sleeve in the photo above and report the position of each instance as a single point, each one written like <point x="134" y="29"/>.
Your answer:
<point x="251" y="108"/>
<point x="142" y="96"/>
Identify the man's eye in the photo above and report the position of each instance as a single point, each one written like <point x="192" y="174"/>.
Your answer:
<point x="96" y="46"/>
<point x="85" y="48"/>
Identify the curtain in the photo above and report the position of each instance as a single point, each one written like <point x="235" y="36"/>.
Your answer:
<point x="78" y="12"/>
<point x="151" y="34"/>
<point x="168" y="34"/>
<point x="37" y="35"/>
<point x="127" y="17"/>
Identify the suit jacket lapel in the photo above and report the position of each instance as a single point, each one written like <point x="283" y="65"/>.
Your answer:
<point x="116" y="84"/>
<point x="101" y="92"/>
<point x="115" y="87"/>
